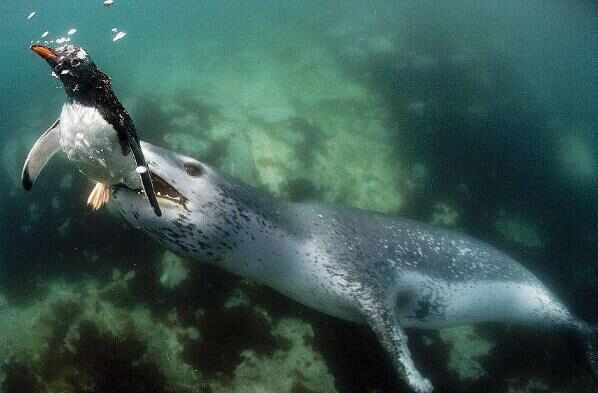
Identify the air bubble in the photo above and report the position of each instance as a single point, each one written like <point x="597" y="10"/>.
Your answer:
<point x="119" y="36"/>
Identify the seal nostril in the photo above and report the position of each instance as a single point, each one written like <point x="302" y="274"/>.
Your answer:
<point x="192" y="169"/>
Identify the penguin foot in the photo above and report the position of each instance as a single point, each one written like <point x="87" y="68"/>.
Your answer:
<point x="99" y="196"/>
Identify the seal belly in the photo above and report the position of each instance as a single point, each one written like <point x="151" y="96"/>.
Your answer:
<point x="296" y="267"/>
<point x="423" y="302"/>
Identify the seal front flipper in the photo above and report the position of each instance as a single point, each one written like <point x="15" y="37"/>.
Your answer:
<point x="144" y="173"/>
<point x="39" y="155"/>
<point x="394" y="340"/>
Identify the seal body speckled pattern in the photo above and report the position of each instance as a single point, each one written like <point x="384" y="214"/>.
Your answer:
<point x="369" y="268"/>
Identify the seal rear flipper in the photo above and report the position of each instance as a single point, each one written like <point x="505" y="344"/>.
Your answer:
<point x="590" y="344"/>
<point x="39" y="155"/>
<point x="145" y="175"/>
<point x="394" y="340"/>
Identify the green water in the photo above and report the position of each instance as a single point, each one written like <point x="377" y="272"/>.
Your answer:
<point x="474" y="116"/>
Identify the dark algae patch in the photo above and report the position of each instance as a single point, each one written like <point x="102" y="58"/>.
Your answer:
<point x="115" y="364"/>
<point x="100" y="363"/>
<point x="20" y="378"/>
<point x="225" y="335"/>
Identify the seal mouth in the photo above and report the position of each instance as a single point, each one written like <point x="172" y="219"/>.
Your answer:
<point x="164" y="191"/>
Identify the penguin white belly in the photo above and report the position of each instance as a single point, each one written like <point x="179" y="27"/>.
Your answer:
<point x="92" y="143"/>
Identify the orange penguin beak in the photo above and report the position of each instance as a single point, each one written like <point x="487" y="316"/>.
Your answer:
<point x="46" y="53"/>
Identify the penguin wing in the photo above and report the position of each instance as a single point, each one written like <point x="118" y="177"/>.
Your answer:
<point x="39" y="155"/>
<point x="145" y="175"/>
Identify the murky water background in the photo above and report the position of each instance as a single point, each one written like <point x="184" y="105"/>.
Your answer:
<point x="476" y="116"/>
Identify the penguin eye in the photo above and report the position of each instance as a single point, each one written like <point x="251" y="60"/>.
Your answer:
<point x="192" y="169"/>
<point x="58" y="68"/>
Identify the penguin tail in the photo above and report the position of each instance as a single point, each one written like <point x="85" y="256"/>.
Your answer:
<point x="146" y="179"/>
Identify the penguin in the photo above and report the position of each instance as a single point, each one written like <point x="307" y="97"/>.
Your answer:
<point x="93" y="129"/>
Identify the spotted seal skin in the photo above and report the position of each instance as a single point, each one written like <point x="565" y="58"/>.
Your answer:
<point x="387" y="272"/>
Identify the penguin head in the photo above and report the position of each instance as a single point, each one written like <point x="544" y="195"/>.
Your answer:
<point x="73" y="66"/>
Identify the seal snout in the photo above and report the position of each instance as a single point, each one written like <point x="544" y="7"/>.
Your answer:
<point x="44" y="52"/>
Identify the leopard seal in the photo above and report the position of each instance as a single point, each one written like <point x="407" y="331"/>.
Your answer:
<point x="389" y="273"/>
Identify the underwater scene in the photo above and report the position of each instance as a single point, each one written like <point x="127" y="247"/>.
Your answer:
<point x="299" y="196"/>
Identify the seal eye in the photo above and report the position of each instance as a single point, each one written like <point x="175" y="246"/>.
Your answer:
<point x="192" y="169"/>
